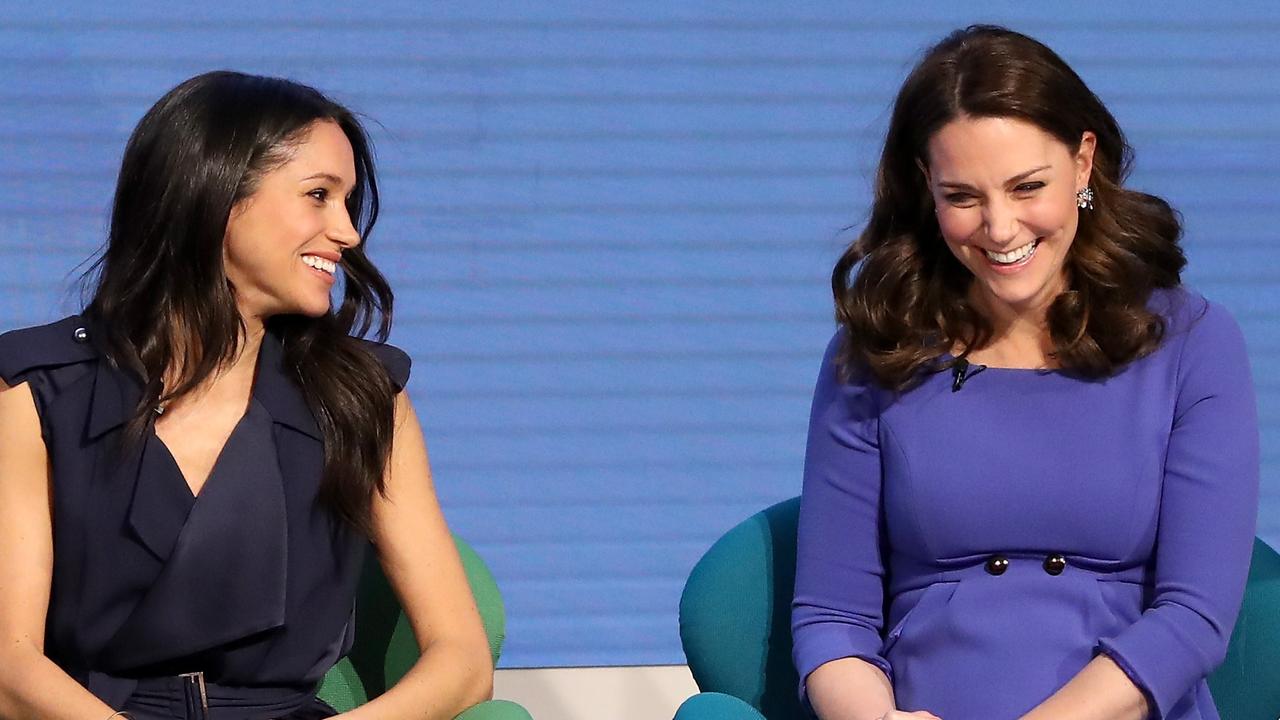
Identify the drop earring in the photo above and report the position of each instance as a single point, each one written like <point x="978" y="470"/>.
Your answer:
<point x="1084" y="198"/>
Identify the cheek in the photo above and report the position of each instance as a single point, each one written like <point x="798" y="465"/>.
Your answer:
<point x="304" y="224"/>
<point x="270" y="234"/>
<point x="1052" y="214"/>
<point x="236" y="246"/>
<point x="247" y="246"/>
<point x="957" y="225"/>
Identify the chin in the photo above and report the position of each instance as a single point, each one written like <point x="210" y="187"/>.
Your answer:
<point x="314" y="308"/>
<point x="1022" y="294"/>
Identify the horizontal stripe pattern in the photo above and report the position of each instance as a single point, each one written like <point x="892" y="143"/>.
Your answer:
<point x="610" y="230"/>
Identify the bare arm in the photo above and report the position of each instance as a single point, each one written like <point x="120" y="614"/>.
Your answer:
<point x="849" y="689"/>
<point x="419" y="558"/>
<point x="31" y="685"/>
<point x="1101" y="691"/>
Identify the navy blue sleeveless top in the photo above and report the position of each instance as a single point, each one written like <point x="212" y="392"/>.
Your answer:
<point x="252" y="582"/>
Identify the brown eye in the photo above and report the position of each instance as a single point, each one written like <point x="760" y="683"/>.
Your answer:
<point x="1029" y="187"/>
<point x="319" y="194"/>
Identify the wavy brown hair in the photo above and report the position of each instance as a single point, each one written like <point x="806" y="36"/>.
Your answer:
<point x="902" y="297"/>
<point x="164" y="298"/>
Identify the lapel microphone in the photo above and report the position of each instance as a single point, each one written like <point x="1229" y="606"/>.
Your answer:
<point x="961" y="371"/>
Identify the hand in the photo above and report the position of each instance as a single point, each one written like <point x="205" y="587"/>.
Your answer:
<point x="916" y="715"/>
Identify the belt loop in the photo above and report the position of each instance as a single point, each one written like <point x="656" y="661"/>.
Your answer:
<point x="194" y="689"/>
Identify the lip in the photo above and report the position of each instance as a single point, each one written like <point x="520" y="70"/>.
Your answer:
<point x="330" y="255"/>
<point x="326" y="277"/>
<point x="1015" y="268"/>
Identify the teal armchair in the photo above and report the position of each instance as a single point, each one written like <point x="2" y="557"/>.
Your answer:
<point x="1247" y="684"/>
<point x="385" y="648"/>
<point x="735" y="625"/>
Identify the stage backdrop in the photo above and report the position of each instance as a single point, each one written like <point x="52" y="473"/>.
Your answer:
<point x="610" y="228"/>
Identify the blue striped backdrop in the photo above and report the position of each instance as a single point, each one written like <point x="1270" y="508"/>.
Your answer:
<point x="610" y="227"/>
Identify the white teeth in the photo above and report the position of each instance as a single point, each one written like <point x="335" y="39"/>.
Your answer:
<point x="320" y="263"/>
<point x="1013" y="256"/>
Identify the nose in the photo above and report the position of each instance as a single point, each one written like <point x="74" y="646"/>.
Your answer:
<point x="341" y="230"/>
<point x="1001" y="222"/>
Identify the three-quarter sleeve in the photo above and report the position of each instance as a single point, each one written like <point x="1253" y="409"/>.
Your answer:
<point x="839" y="593"/>
<point x="1207" y="517"/>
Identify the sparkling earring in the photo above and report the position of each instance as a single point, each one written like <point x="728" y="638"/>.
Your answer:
<point x="1084" y="198"/>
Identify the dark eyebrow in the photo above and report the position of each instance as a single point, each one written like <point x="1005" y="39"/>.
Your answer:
<point x="1011" y="181"/>
<point x="324" y="176"/>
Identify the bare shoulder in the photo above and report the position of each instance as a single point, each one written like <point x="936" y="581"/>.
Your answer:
<point x="19" y="419"/>
<point x="408" y="447"/>
<point x="405" y="410"/>
<point x="14" y="397"/>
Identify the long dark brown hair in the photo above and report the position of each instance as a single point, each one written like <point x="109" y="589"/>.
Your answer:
<point x="900" y="294"/>
<point x="162" y="295"/>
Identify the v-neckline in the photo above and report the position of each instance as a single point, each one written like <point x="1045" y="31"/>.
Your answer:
<point x="222" y="451"/>
<point x="217" y="460"/>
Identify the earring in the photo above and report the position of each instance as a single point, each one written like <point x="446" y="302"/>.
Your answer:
<point x="1084" y="198"/>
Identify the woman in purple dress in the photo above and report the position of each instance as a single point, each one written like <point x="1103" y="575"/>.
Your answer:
<point x="1032" y="473"/>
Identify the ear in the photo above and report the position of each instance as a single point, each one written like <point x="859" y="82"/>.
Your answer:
<point x="1084" y="158"/>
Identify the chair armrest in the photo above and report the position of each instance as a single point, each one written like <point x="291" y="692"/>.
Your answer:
<point x="495" y="710"/>
<point x="716" y="706"/>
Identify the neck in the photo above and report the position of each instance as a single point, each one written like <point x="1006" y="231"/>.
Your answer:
<point x="250" y="342"/>
<point x="255" y="326"/>
<point x="232" y="381"/>
<point x="245" y="359"/>
<point x="1019" y="334"/>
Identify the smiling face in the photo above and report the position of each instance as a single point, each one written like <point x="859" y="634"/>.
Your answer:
<point x="1005" y="193"/>
<point x="284" y="241"/>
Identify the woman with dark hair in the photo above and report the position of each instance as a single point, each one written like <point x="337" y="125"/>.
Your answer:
<point x="190" y="469"/>
<point x="1032" y="472"/>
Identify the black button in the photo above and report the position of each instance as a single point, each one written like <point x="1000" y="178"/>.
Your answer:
<point x="81" y="335"/>
<point x="997" y="564"/>
<point x="1055" y="564"/>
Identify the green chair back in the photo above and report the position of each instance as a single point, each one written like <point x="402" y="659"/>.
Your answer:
<point x="735" y="626"/>
<point x="1247" y="684"/>
<point x="735" y="613"/>
<point x="385" y="649"/>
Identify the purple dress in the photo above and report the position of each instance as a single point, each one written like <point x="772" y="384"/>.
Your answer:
<point x="981" y="546"/>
